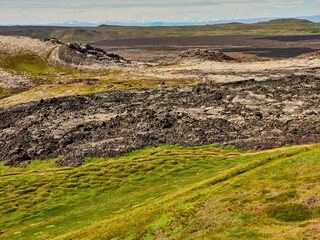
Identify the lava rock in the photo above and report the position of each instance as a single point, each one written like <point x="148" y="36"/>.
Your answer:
<point x="247" y="114"/>
<point x="205" y="55"/>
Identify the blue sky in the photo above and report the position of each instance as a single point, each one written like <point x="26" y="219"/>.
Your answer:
<point x="95" y="11"/>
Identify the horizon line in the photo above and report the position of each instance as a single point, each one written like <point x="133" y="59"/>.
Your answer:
<point x="77" y="23"/>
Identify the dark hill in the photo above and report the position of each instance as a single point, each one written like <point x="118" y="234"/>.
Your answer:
<point x="286" y="21"/>
<point x="204" y="55"/>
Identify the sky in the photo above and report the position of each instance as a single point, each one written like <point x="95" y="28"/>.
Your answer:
<point x="28" y="12"/>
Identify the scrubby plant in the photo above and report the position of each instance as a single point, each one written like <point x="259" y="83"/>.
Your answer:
<point x="290" y="212"/>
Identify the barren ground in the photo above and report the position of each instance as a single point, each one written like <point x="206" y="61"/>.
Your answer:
<point x="250" y="100"/>
<point x="248" y="47"/>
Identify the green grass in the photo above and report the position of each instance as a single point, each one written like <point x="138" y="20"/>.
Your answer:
<point x="25" y="62"/>
<point x="170" y="191"/>
<point x="46" y="35"/>
<point x="33" y="166"/>
<point x="290" y="212"/>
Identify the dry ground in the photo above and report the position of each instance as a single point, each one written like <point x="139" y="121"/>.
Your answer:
<point x="248" y="47"/>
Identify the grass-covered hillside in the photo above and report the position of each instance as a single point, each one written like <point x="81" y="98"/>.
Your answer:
<point x="169" y="192"/>
<point x="274" y="27"/>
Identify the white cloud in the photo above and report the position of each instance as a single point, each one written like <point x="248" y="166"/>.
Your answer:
<point x="42" y="12"/>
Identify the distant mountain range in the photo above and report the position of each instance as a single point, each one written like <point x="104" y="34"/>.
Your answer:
<point x="315" y="19"/>
<point x="78" y="31"/>
<point x="249" y="20"/>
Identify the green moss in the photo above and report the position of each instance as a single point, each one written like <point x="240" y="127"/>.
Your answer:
<point x="283" y="197"/>
<point x="290" y="212"/>
<point x="46" y="35"/>
<point x="178" y="229"/>
<point x="229" y="147"/>
<point x="163" y="220"/>
<point x="125" y="197"/>
<point x="25" y="62"/>
<point x="148" y="237"/>
<point x="237" y="233"/>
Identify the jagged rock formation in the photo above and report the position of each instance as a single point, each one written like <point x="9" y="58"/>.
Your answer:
<point x="247" y="114"/>
<point x="204" y="55"/>
<point x="52" y="40"/>
<point x="86" y="55"/>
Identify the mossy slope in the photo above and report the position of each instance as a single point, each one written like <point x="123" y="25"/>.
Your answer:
<point x="169" y="192"/>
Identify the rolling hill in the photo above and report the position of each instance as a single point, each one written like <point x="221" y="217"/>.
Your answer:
<point x="273" y="27"/>
<point x="287" y="21"/>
